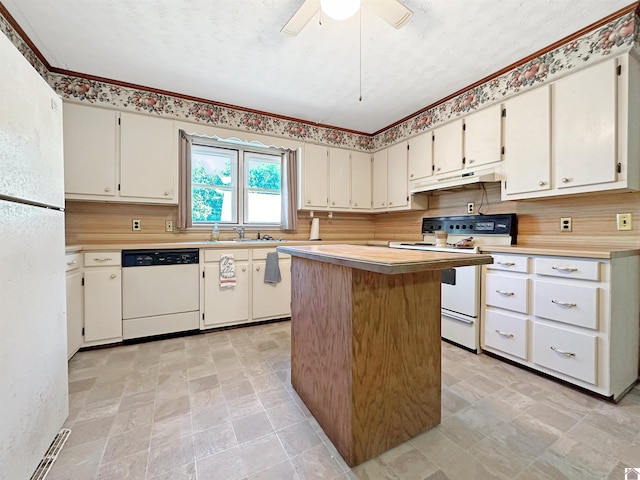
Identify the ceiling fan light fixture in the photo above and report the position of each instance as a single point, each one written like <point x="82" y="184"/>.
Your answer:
<point x="340" y="9"/>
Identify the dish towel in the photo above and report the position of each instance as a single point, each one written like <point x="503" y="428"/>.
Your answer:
<point x="272" y="269"/>
<point x="227" y="271"/>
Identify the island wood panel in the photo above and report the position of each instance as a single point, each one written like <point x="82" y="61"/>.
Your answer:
<point x="365" y="358"/>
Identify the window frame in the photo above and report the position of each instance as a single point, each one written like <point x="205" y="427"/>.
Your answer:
<point x="240" y="189"/>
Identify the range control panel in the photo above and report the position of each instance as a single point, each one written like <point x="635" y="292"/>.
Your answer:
<point x="147" y="258"/>
<point x="498" y="224"/>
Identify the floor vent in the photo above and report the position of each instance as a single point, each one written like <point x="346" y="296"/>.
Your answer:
<point x="52" y="453"/>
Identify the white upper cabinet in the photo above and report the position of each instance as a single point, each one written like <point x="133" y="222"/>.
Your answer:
<point x="339" y="178"/>
<point x="397" y="181"/>
<point x="315" y="188"/>
<point x="527" y="143"/>
<point x="421" y="156"/>
<point x="360" y="181"/>
<point x="135" y="161"/>
<point x="148" y="158"/>
<point x="379" y="191"/>
<point x="483" y="137"/>
<point x="584" y="126"/>
<point x="90" y="152"/>
<point x="447" y="148"/>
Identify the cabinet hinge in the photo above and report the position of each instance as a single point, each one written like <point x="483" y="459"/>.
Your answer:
<point x="464" y="127"/>
<point x="203" y="316"/>
<point x="408" y="146"/>
<point x="83" y="331"/>
<point x="203" y="274"/>
<point x="502" y="150"/>
<point x="118" y="187"/>
<point x="464" y="160"/>
<point x="433" y="168"/>
<point x="619" y="70"/>
<point x="407" y="198"/>
<point x="118" y="120"/>
<point x="82" y="283"/>
<point x="504" y="112"/>
<point x="433" y="138"/>
<point x="619" y="168"/>
<point x="505" y="184"/>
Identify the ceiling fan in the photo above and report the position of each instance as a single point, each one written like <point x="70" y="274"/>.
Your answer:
<point x="391" y="11"/>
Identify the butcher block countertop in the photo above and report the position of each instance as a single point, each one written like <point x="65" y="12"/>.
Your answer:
<point x="383" y="259"/>
<point x="562" y="251"/>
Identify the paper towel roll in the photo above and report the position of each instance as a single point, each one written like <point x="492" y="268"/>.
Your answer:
<point x="315" y="229"/>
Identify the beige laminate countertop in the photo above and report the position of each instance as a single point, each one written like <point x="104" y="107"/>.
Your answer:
<point x="562" y="251"/>
<point x="383" y="259"/>
<point x="226" y="244"/>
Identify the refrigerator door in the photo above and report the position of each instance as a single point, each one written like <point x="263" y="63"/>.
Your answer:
<point x="33" y="335"/>
<point x="31" y="152"/>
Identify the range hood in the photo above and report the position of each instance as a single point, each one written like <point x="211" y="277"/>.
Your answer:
<point x="459" y="179"/>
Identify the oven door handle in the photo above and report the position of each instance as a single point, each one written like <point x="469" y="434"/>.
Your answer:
<point x="458" y="318"/>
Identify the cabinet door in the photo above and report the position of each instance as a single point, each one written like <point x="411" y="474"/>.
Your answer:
<point x="102" y="304"/>
<point x="271" y="300"/>
<point x="379" y="193"/>
<point x="223" y="306"/>
<point x="483" y="136"/>
<point x="339" y="178"/>
<point x="397" y="177"/>
<point x="421" y="156"/>
<point x="360" y="180"/>
<point x="74" y="312"/>
<point x="315" y="188"/>
<point x="89" y="151"/>
<point x="584" y="126"/>
<point x="148" y="158"/>
<point x="447" y="147"/>
<point x="527" y="142"/>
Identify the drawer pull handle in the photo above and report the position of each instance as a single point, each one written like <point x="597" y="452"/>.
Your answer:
<point x="565" y="180"/>
<point x="72" y="262"/>
<point x="541" y="183"/>
<point x="113" y="275"/>
<point x="505" y="293"/>
<point x="506" y="264"/>
<point x="564" y="304"/>
<point x="565" y="269"/>
<point x="566" y="354"/>
<point x="102" y="259"/>
<point x="505" y="334"/>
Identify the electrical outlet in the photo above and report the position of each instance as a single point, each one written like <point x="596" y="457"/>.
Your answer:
<point x="136" y="224"/>
<point x="470" y="207"/>
<point x="565" y="224"/>
<point x="623" y="221"/>
<point x="168" y="225"/>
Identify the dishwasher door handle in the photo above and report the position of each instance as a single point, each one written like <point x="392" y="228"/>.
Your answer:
<point x="459" y="318"/>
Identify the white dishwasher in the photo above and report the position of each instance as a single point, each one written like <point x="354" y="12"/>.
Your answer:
<point x="160" y="292"/>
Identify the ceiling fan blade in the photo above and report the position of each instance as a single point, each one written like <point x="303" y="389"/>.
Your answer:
<point x="299" y="19"/>
<point x="391" y="11"/>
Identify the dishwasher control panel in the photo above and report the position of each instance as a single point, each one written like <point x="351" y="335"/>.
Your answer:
<point x="148" y="258"/>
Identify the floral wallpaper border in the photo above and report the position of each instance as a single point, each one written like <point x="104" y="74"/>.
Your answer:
<point x="617" y="37"/>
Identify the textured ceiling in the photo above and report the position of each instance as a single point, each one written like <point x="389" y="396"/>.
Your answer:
<point x="232" y="51"/>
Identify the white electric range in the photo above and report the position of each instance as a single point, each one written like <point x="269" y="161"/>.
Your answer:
<point x="461" y="287"/>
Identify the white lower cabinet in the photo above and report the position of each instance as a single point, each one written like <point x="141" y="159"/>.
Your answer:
<point x="573" y="318"/>
<point x="250" y="299"/>
<point x="75" y="303"/>
<point x="102" y="297"/>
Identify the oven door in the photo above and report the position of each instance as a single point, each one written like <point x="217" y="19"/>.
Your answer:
<point x="461" y="290"/>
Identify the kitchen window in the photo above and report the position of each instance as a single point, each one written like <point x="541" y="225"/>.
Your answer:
<point x="235" y="184"/>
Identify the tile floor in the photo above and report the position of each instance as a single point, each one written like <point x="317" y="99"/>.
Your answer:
<point x="220" y="406"/>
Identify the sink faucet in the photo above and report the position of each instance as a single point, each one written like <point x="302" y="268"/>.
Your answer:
<point x="239" y="231"/>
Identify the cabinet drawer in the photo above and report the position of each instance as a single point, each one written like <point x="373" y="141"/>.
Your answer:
<point x="213" y="255"/>
<point x="508" y="292"/>
<point x="573" y="304"/>
<point x="72" y="261"/>
<point x="512" y="263"/>
<point x="102" y="258"/>
<point x="506" y="333"/>
<point x="568" y="268"/>
<point x="564" y="351"/>
<point x="261" y="254"/>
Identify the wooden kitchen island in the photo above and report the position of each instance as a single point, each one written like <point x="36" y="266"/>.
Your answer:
<point x="365" y="341"/>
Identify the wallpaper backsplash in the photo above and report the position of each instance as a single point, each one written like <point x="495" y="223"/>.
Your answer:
<point x="615" y="38"/>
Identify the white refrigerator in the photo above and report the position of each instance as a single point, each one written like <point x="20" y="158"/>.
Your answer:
<point x="33" y="345"/>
